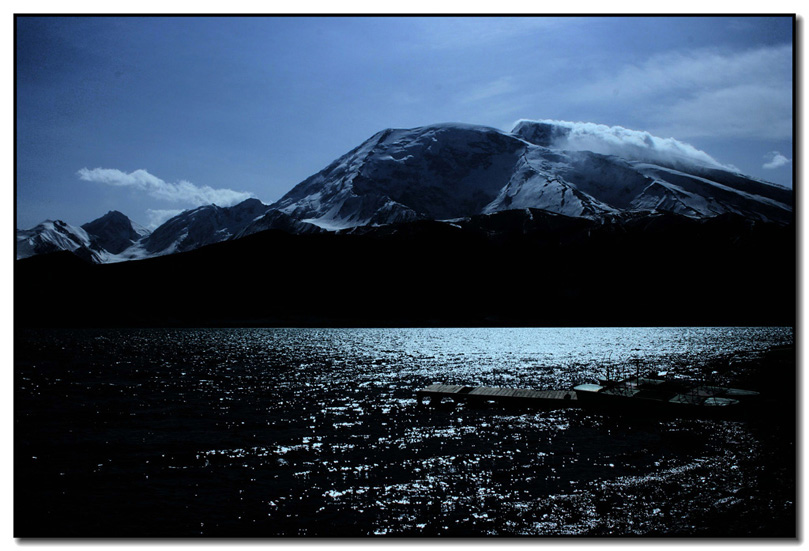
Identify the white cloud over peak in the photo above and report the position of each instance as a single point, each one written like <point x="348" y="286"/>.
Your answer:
<point x="623" y="142"/>
<point x="178" y="192"/>
<point x="704" y="92"/>
<point x="776" y="160"/>
<point x="158" y="216"/>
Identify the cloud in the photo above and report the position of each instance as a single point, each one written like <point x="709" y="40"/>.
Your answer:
<point x="488" y="90"/>
<point x="461" y="33"/>
<point x="179" y="192"/>
<point x="612" y="140"/>
<point x="747" y="111"/>
<point x="776" y="160"/>
<point x="158" y="216"/>
<point x="703" y="92"/>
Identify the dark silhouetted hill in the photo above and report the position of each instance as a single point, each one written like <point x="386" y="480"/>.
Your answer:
<point x="526" y="268"/>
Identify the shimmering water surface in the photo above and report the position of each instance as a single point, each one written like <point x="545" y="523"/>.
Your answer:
<point x="281" y="432"/>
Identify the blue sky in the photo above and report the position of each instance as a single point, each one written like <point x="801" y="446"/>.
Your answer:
<point x="180" y="111"/>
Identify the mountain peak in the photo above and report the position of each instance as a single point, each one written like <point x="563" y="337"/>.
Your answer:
<point x="541" y="133"/>
<point x="437" y="171"/>
<point x="51" y="236"/>
<point x="588" y="170"/>
<point x="114" y="231"/>
<point x="115" y="214"/>
<point x="202" y="226"/>
<point x="252" y="202"/>
<point x="451" y="171"/>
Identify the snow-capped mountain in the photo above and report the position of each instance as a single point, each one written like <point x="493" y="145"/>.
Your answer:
<point x="450" y="171"/>
<point x="201" y="226"/>
<point x="115" y="232"/>
<point x="99" y="241"/>
<point x="435" y="172"/>
<point x="633" y="170"/>
<point x="56" y="235"/>
<point x="274" y="219"/>
<point x="116" y="238"/>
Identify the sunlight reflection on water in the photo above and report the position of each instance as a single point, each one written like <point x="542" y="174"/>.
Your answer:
<point x="316" y="431"/>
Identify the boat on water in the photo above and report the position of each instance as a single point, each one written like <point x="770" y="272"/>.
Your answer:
<point x="658" y="394"/>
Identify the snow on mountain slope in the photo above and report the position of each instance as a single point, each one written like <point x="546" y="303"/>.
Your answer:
<point x="115" y="231"/>
<point x="704" y="198"/>
<point x="437" y="172"/>
<point x="98" y="241"/>
<point x="545" y="180"/>
<point x="195" y="228"/>
<point x="450" y="171"/>
<point x="55" y="235"/>
<point x="453" y="171"/>
<point x="276" y="220"/>
<point x="669" y="175"/>
<point x="115" y="238"/>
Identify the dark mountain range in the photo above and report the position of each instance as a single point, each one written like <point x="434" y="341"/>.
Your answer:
<point x="443" y="225"/>
<point x="447" y="172"/>
<point x="524" y="267"/>
<point x="274" y="219"/>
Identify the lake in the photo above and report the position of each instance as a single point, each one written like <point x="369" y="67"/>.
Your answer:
<point x="316" y="432"/>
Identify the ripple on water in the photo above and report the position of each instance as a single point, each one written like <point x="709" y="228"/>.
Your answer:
<point x="317" y="431"/>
